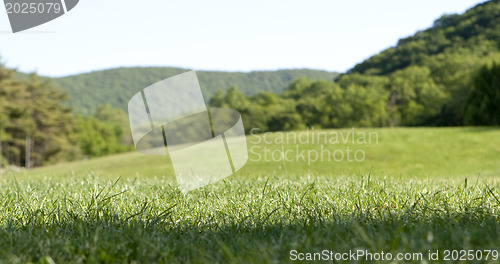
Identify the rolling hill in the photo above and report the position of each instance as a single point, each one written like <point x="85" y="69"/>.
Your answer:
<point x="116" y="86"/>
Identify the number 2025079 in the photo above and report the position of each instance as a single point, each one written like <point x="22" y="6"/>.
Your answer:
<point x="33" y="8"/>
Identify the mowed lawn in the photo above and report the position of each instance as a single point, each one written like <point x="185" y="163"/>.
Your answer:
<point x="415" y="190"/>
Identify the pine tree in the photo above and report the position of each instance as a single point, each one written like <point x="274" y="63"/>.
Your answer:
<point x="32" y="110"/>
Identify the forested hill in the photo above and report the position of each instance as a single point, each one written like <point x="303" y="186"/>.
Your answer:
<point x="447" y="75"/>
<point x="476" y="30"/>
<point x="116" y="86"/>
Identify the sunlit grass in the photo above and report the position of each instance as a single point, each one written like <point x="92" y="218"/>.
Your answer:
<point x="84" y="212"/>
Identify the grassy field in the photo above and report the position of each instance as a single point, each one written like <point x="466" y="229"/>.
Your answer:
<point x="415" y="191"/>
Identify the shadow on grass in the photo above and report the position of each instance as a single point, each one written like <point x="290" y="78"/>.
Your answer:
<point x="260" y="222"/>
<point x="108" y="238"/>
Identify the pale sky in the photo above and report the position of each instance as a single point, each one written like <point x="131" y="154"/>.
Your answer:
<point x="217" y="35"/>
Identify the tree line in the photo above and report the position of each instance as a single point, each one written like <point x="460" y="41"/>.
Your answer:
<point x="442" y="76"/>
<point x="407" y="97"/>
<point x="37" y="127"/>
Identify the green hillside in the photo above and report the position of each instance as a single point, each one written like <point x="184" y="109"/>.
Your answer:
<point x="438" y="69"/>
<point x="446" y="75"/>
<point x="116" y="86"/>
<point x="399" y="152"/>
<point x="477" y="30"/>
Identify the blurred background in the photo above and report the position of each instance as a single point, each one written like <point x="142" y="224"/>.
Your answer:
<point x="65" y="85"/>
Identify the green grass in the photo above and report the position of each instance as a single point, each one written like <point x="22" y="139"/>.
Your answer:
<point x="417" y="190"/>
